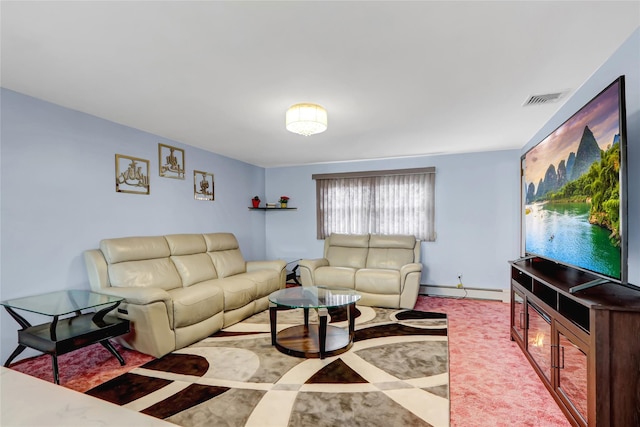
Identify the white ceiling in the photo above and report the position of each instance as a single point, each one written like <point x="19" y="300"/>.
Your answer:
<point x="397" y="78"/>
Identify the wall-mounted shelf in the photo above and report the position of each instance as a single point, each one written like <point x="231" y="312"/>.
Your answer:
<point x="273" y="209"/>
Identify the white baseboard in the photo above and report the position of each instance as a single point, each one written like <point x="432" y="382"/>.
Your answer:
<point x="473" y="293"/>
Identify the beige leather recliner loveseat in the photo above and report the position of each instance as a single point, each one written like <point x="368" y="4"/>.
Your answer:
<point x="384" y="269"/>
<point x="180" y="288"/>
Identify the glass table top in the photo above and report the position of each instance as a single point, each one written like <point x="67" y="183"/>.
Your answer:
<point x="61" y="302"/>
<point x="314" y="297"/>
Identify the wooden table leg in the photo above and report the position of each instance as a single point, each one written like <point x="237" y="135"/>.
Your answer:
<point x="25" y="324"/>
<point x="54" y="364"/>
<point x="19" y="349"/>
<point x="106" y="344"/>
<point x="273" y="310"/>
<point x="322" y="330"/>
<point x="351" y="313"/>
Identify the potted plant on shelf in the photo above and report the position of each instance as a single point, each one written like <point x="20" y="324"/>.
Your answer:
<point x="283" y="201"/>
<point x="255" y="201"/>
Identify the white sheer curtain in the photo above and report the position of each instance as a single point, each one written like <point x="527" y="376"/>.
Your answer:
<point x="381" y="202"/>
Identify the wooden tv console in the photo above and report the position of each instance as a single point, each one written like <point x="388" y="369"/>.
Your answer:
<point x="584" y="346"/>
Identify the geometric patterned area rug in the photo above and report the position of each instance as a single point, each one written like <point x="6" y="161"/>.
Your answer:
<point x="396" y="373"/>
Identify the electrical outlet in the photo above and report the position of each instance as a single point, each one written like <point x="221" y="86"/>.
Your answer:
<point x="460" y="285"/>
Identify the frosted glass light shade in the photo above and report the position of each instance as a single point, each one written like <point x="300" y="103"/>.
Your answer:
<point x="306" y="119"/>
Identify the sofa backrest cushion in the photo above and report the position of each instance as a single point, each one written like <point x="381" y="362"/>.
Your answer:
<point x="347" y="250"/>
<point x="134" y="248"/>
<point x="186" y="244"/>
<point x="156" y="273"/>
<point x="189" y="255"/>
<point x="224" y="250"/>
<point x="139" y="262"/>
<point x="220" y="241"/>
<point x="228" y="263"/>
<point x="194" y="268"/>
<point x="390" y="252"/>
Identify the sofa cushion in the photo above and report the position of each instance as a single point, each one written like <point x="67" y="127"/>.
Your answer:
<point x="349" y="240"/>
<point x="194" y="268"/>
<point x="378" y="281"/>
<point x="220" y="241"/>
<point x="196" y="303"/>
<point x="392" y="241"/>
<point x="389" y="258"/>
<point x="134" y="248"/>
<point x="347" y="257"/>
<point x="238" y="291"/>
<point x="347" y="250"/>
<point x="266" y="281"/>
<point x="228" y="263"/>
<point x="343" y="277"/>
<point x="186" y="244"/>
<point x="156" y="273"/>
<point x="390" y="252"/>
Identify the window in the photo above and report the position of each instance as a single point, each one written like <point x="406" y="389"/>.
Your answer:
<point x="380" y="202"/>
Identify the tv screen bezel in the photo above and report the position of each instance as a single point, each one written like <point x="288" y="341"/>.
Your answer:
<point x="622" y="123"/>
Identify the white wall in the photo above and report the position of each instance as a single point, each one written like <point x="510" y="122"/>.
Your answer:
<point x="58" y="197"/>
<point x="625" y="61"/>
<point x="477" y="209"/>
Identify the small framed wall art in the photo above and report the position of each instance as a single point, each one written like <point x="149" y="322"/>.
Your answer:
<point x="203" y="185"/>
<point x="170" y="162"/>
<point x="132" y="175"/>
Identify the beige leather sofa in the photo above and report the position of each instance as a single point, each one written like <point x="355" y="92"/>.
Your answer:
<point x="180" y="288"/>
<point x="384" y="269"/>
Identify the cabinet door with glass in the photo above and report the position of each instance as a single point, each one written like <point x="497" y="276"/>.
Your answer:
<point x="539" y="339"/>
<point x="570" y="359"/>
<point x="518" y="317"/>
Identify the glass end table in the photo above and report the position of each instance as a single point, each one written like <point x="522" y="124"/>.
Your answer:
<point x="63" y="335"/>
<point x="315" y="340"/>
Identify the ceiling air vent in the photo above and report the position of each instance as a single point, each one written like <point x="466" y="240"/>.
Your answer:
<point x="547" y="98"/>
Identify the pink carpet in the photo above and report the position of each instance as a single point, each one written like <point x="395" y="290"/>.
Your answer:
<point x="83" y="369"/>
<point x="491" y="384"/>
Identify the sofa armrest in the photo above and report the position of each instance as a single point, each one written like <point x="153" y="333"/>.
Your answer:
<point x="308" y="268"/>
<point x="96" y="269"/>
<point x="414" y="267"/>
<point x="140" y="296"/>
<point x="150" y="311"/>
<point x="312" y="264"/>
<point x="410" y="284"/>
<point x="276" y="265"/>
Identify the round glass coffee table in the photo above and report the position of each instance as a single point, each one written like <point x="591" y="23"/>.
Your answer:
<point x="313" y="340"/>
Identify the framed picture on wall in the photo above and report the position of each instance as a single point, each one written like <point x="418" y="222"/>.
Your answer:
<point x="132" y="175"/>
<point x="203" y="185"/>
<point x="170" y="162"/>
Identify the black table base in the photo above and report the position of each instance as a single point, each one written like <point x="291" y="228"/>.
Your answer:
<point x="65" y="335"/>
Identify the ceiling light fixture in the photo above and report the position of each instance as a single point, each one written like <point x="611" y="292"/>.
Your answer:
<point x="306" y="119"/>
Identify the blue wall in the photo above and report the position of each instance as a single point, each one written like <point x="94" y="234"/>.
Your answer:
<point x="476" y="214"/>
<point x="58" y="197"/>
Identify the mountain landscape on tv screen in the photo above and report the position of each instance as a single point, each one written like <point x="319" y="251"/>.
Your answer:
<point x="576" y="165"/>
<point x="587" y="176"/>
<point x="572" y="190"/>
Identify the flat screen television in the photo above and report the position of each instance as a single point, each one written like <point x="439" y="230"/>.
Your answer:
<point x="574" y="190"/>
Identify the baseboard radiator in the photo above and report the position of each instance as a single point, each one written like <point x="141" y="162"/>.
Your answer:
<point x="472" y="293"/>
